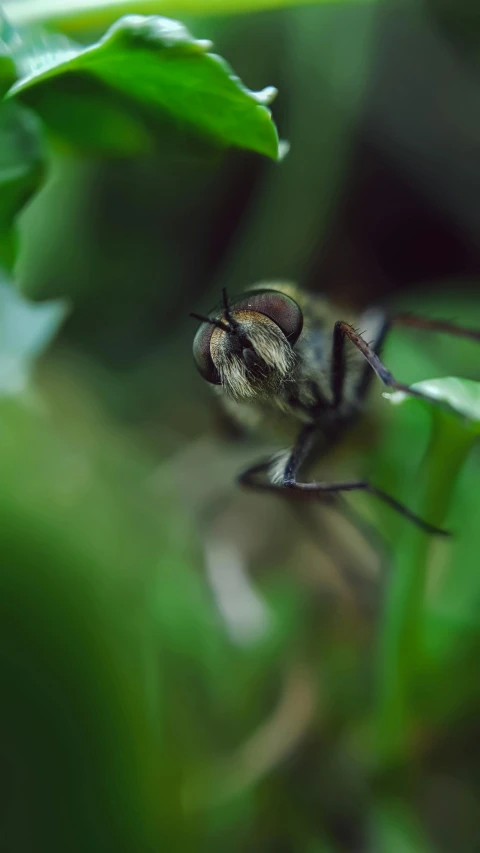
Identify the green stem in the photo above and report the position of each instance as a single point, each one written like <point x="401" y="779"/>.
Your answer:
<point x="400" y="640"/>
<point x="396" y="829"/>
<point x="77" y="15"/>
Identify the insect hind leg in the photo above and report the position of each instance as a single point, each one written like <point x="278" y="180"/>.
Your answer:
<point x="416" y="321"/>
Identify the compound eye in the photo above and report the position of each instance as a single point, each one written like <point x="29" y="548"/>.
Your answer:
<point x="277" y="306"/>
<point x="203" y="356"/>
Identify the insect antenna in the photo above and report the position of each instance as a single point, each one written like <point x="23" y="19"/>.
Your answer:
<point x="226" y="308"/>
<point x="204" y="319"/>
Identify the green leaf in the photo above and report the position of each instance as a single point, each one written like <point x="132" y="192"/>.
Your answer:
<point x="7" y="69"/>
<point x="401" y="647"/>
<point x="459" y="396"/>
<point x="403" y="660"/>
<point x="21" y="155"/>
<point x="25" y="330"/>
<point x="88" y="14"/>
<point x="8" y="73"/>
<point x="21" y="172"/>
<point x="155" y="70"/>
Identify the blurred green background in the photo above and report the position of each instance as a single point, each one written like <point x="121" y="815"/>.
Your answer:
<point x="185" y="666"/>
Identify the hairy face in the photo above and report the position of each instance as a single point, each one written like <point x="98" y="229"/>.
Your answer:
<point x="247" y="348"/>
<point x="253" y="360"/>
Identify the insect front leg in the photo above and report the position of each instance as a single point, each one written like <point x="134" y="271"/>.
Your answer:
<point x="287" y="475"/>
<point x="344" y="331"/>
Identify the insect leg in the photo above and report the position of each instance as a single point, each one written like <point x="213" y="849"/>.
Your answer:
<point x="379" y="325"/>
<point x="290" y="487"/>
<point x="298" y="455"/>
<point x="343" y="330"/>
<point x="317" y="490"/>
<point x="367" y="373"/>
<point x="417" y="322"/>
<point x="338" y="368"/>
<point x="413" y="321"/>
<point x="296" y="458"/>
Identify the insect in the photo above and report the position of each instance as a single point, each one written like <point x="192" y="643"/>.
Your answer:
<point x="278" y="355"/>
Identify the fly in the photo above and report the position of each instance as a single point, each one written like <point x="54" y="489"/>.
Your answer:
<point x="278" y="354"/>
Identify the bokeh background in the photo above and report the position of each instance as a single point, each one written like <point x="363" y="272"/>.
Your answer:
<point x="188" y="667"/>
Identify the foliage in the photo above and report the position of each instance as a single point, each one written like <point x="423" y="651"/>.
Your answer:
<point x="183" y="668"/>
<point x="85" y="13"/>
<point x="110" y="97"/>
<point x="160" y="69"/>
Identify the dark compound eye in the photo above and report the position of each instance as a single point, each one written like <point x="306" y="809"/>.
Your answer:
<point x="202" y="354"/>
<point x="279" y="307"/>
